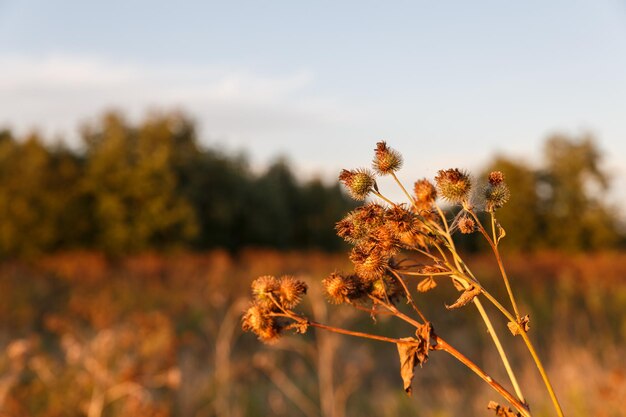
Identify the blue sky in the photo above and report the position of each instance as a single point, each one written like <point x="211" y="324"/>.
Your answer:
<point x="447" y="83"/>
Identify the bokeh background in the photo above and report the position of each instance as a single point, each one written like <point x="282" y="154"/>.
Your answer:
<point x="156" y="157"/>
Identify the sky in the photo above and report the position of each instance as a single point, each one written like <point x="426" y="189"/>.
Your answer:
<point x="448" y="84"/>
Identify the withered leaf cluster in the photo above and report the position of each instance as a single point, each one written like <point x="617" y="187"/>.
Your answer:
<point x="413" y="351"/>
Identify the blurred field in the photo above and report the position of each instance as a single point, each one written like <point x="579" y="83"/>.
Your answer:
<point x="155" y="335"/>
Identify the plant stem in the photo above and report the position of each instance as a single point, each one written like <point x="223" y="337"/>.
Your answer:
<point x="509" y="316"/>
<point x="408" y="295"/>
<point x="460" y="266"/>
<point x="440" y="344"/>
<point x="496" y="342"/>
<point x="353" y="333"/>
<point x="543" y="373"/>
<point x="382" y="197"/>
<point x="403" y="189"/>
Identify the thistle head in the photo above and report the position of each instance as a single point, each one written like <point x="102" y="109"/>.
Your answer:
<point x="291" y="291"/>
<point x="467" y="225"/>
<point x="257" y="319"/>
<point x="265" y="289"/>
<point x="369" y="263"/>
<point x="386" y="160"/>
<point x="425" y="194"/>
<point x="496" y="193"/>
<point x="359" y="182"/>
<point x="342" y="288"/>
<point x="453" y="184"/>
<point x="496" y="177"/>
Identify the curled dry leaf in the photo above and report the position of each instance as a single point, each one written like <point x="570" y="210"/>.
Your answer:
<point x="467" y="296"/>
<point x="413" y="351"/>
<point x="426" y="284"/>
<point x="501" y="233"/>
<point x="502" y="411"/>
<point x="523" y="323"/>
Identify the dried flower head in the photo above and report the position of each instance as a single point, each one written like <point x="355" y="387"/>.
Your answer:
<point x="425" y="194"/>
<point x="386" y="160"/>
<point x="369" y="263"/>
<point x="467" y="225"/>
<point x="496" y="196"/>
<point x="359" y="223"/>
<point x="401" y="220"/>
<point x="453" y="184"/>
<point x="258" y="320"/>
<point x="264" y="289"/>
<point x="496" y="177"/>
<point x="359" y="182"/>
<point x="343" y="288"/>
<point x="291" y="291"/>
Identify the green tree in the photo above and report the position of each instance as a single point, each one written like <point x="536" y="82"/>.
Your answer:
<point x="132" y="179"/>
<point x="574" y="186"/>
<point x="37" y="196"/>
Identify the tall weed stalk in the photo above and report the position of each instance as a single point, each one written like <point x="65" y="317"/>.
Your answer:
<point x="395" y="244"/>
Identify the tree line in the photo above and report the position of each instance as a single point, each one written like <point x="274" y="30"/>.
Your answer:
<point x="152" y="186"/>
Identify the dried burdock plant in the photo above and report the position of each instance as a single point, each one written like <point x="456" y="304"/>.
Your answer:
<point x="383" y="234"/>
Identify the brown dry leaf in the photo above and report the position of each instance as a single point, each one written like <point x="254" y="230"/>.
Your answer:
<point x="426" y="284"/>
<point x="413" y="351"/>
<point x="458" y="284"/>
<point x="523" y="322"/>
<point x="408" y="359"/>
<point x="501" y="233"/>
<point x="502" y="411"/>
<point x="467" y="296"/>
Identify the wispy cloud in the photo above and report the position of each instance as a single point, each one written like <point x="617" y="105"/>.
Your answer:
<point x="56" y="92"/>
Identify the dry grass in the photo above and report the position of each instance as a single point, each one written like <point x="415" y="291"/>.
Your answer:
<point x="157" y="328"/>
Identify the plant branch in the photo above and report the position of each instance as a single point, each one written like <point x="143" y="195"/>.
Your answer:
<point x="440" y="344"/>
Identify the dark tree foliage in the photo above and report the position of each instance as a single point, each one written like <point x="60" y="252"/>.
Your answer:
<point x="562" y="203"/>
<point x="151" y="186"/>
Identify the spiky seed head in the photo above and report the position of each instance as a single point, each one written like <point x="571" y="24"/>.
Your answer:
<point x="425" y="194"/>
<point x="257" y="320"/>
<point x="342" y="288"/>
<point x="496" y="177"/>
<point x="371" y="214"/>
<point x="369" y="264"/>
<point x="291" y="291"/>
<point x="453" y="184"/>
<point x="496" y="196"/>
<point x="467" y="225"/>
<point x="359" y="223"/>
<point x="263" y="288"/>
<point x="359" y="182"/>
<point x="386" y="160"/>
<point x="401" y="220"/>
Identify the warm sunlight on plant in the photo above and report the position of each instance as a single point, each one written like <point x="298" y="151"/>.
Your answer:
<point x="397" y="243"/>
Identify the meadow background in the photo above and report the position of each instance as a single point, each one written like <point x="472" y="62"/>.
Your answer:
<point x="126" y="268"/>
<point x="155" y="158"/>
